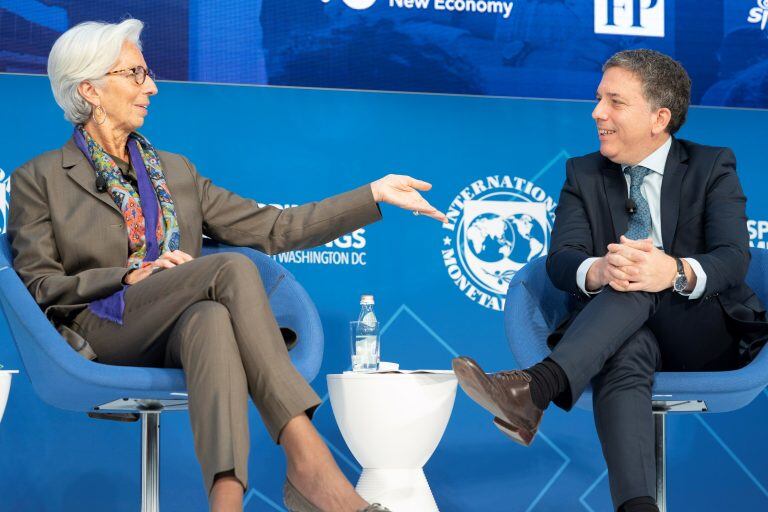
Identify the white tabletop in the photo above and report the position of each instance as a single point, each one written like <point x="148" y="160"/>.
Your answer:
<point x="417" y="374"/>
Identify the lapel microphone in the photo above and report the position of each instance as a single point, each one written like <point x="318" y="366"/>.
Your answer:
<point x="630" y="206"/>
<point x="101" y="184"/>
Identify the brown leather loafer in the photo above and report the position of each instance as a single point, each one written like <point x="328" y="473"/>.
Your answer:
<point x="506" y="395"/>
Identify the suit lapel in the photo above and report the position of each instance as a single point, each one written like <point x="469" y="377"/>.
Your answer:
<point x="671" y="185"/>
<point x="174" y="186"/>
<point x="80" y="170"/>
<point x="616" y="193"/>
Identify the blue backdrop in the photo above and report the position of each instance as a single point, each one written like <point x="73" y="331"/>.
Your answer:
<point x="250" y="139"/>
<point x="528" y="48"/>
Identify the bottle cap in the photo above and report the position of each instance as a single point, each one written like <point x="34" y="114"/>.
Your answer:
<point x="366" y="299"/>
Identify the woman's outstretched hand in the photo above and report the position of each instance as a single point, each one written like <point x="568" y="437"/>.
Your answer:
<point x="402" y="191"/>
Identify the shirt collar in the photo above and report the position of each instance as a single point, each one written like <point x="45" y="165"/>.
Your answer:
<point x="126" y="169"/>
<point x="657" y="160"/>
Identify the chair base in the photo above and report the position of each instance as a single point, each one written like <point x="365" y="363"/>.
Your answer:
<point x="660" y="410"/>
<point x="149" y="411"/>
<point x="139" y="405"/>
<point x="150" y="461"/>
<point x="660" y="425"/>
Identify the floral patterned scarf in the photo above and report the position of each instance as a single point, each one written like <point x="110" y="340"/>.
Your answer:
<point x="126" y="197"/>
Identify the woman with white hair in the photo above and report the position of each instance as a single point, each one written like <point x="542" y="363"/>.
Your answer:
<point x="107" y="233"/>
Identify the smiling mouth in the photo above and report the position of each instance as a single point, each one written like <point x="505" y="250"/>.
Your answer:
<point x="606" y="132"/>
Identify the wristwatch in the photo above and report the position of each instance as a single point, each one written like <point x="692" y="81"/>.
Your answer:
<point x="681" y="282"/>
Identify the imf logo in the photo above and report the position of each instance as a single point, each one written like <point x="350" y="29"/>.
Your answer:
<point x="495" y="226"/>
<point x="759" y="14"/>
<point x="359" y="5"/>
<point x="630" y="17"/>
<point x="5" y="196"/>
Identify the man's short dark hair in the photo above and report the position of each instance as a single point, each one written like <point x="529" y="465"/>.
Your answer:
<point x="665" y="82"/>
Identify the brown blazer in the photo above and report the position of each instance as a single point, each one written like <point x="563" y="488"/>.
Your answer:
<point x="70" y="245"/>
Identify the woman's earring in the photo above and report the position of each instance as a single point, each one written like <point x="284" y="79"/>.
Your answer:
<point x="101" y="114"/>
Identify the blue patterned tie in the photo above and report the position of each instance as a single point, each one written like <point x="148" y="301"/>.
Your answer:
<point x="640" y="221"/>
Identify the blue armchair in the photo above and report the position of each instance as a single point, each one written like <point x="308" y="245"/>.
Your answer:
<point x="66" y="380"/>
<point x="534" y="307"/>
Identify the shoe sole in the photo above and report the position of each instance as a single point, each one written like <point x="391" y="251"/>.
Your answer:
<point x="517" y="434"/>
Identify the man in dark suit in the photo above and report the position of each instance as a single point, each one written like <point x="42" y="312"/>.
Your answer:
<point x="651" y="241"/>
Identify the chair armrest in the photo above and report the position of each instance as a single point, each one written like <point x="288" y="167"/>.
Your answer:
<point x="533" y="308"/>
<point x="525" y="326"/>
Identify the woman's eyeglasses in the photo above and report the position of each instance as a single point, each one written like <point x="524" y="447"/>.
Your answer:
<point x="139" y="73"/>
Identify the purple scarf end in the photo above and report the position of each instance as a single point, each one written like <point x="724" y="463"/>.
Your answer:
<point x="110" y="308"/>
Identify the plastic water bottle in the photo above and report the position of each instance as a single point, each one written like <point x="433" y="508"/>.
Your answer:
<point x="367" y="336"/>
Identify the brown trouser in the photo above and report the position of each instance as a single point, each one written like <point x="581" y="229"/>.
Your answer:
<point x="211" y="317"/>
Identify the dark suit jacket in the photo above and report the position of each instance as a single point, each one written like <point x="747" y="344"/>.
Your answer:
<point x="70" y="245"/>
<point x="702" y="217"/>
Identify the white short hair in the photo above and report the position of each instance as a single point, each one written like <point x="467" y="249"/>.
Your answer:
<point x="86" y="52"/>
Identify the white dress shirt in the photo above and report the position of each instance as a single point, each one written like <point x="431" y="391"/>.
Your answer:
<point x="651" y="191"/>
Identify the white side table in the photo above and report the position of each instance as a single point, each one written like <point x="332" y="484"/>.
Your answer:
<point x="392" y="423"/>
<point x="5" y="388"/>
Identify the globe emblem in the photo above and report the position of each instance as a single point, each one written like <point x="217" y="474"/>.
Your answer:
<point x="493" y="238"/>
<point x="495" y="227"/>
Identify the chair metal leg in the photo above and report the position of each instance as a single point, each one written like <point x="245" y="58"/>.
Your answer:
<point x="659" y="420"/>
<point x="150" y="461"/>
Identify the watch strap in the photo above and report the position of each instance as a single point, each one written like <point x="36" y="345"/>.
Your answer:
<point x="680" y="267"/>
<point x="680" y="282"/>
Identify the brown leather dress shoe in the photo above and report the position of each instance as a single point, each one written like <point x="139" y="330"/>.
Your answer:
<point x="506" y="395"/>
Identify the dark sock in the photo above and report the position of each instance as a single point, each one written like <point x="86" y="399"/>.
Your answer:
<point x="641" y="504"/>
<point x="547" y="381"/>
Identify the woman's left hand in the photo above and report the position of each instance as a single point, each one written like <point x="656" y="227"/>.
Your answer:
<point x="402" y="191"/>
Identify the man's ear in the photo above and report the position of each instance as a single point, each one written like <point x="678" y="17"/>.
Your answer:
<point x="89" y="92"/>
<point x="661" y="120"/>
